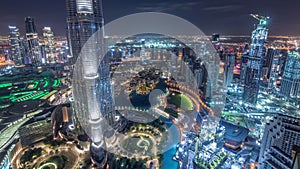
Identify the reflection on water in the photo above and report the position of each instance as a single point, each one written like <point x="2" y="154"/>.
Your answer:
<point x="168" y="162"/>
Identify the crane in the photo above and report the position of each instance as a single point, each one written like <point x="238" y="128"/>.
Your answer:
<point x="262" y="19"/>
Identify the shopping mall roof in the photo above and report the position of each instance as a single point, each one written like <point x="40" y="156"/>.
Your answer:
<point x="234" y="132"/>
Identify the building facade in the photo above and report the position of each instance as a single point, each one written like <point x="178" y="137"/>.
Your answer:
<point x="92" y="90"/>
<point x="84" y="18"/>
<point x="32" y="38"/>
<point x="290" y="83"/>
<point x="15" y="45"/>
<point x="280" y="136"/>
<point x="255" y="60"/>
<point x="49" y="45"/>
<point x="274" y="70"/>
<point x="34" y="132"/>
<point x="229" y="68"/>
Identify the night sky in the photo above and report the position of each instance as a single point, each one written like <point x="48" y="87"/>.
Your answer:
<point x="227" y="17"/>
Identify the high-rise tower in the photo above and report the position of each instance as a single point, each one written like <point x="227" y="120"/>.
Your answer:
<point x="290" y="84"/>
<point x="33" y="41"/>
<point x="229" y="68"/>
<point x="15" y="45"/>
<point x="280" y="136"/>
<point x="49" y="45"/>
<point x="255" y="60"/>
<point x="93" y="102"/>
<point x="273" y="71"/>
<point x="84" y="18"/>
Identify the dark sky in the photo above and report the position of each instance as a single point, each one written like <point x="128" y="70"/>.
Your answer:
<point x="227" y="17"/>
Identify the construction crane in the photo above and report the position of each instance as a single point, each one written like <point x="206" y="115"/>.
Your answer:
<point x="262" y="19"/>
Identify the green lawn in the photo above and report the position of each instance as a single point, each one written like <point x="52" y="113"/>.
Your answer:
<point x="181" y="101"/>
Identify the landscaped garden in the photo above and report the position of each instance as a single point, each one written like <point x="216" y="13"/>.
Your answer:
<point x="138" y="145"/>
<point x="54" y="162"/>
<point x="31" y="155"/>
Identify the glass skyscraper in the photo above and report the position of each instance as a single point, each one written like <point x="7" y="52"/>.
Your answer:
<point x="15" y="45"/>
<point x="49" y="45"/>
<point x="92" y="90"/>
<point x="33" y="41"/>
<point x="290" y="84"/>
<point x="281" y="134"/>
<point x="229" y="68"/>
<point x="255" y="60"/>
<point x="84" y="18"/>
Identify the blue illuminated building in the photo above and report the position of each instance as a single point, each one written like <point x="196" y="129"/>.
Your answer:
<point x="255" y="60"/>
<point x="290" y="84"/>
<point x="84" y="18"/>
<point x="92" y="91"/>
<point x="234" y="136"/>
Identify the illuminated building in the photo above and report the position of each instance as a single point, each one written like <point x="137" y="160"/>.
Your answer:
<point x="296" y="157"/>
<point x="187" y="70"/>
<point x="271" y="54"/>
<point x="229" y="68"/>
<point x="290" y="83"/>
<point x="8" y="154"/>
<point x="84" y="18"/>
<point x="49" y="45"/>
<point x="274" y="69"/>
<point x="34" y="132"/>
<point x="255" y="60"/>
<point x="234" y="136"/>
<point x="215" y="37"/>
<point x="33" y="41"/>
<point x="4" y="46"/>
<point x="280" y="136"/>
<point x="200" y="77"/>
<point x="65" y="115"/>
<point x="43" y="53"/>
<point x="24" y="50"/>
<point x="92" y="90"/>
<point x="244" y="63"/>
<point x="15" y="45"/>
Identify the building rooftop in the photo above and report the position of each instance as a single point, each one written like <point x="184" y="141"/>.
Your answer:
<point x="234" y="132"/>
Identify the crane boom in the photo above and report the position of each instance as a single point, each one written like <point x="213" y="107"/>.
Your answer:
<point x="261" y="19"/>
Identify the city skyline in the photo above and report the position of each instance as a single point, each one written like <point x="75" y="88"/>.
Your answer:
<point x="232" y="16"/>
<point x="154" y="92"/>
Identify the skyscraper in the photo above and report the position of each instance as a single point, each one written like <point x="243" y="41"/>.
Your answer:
<point x="274" y="72"/>
<point x="200" y="74"/>
<point x="25" y="50"/>
<point x="49" y="45"/>
<point x="15" y="45"/>
<point x="271" y="53"/>
<point x="229" y="68"/>
<point x="33" y="41"/>
<point x="280" y="136"/>
<point x="290" y="83"/>
<point x="255" y="60"/>
<point x="84" y="18"/>
<point x="243" y="64"/>
<point x="92" y="88"/>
